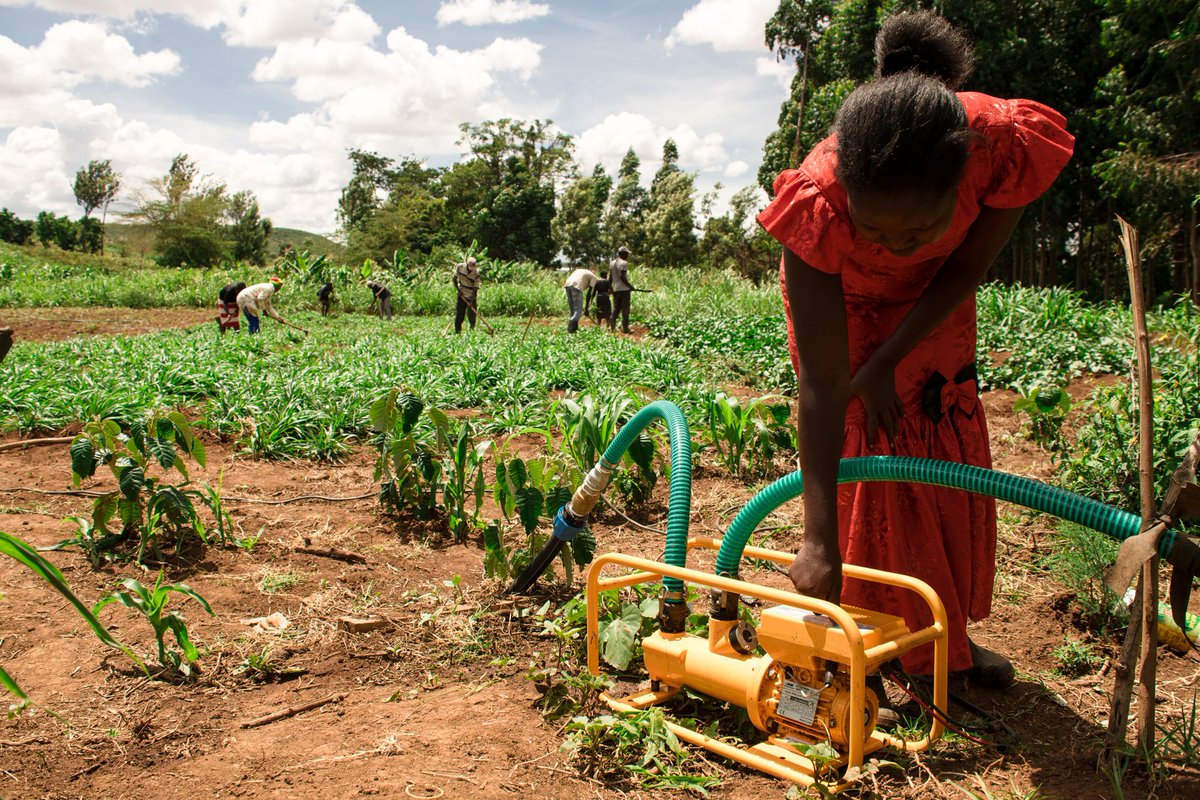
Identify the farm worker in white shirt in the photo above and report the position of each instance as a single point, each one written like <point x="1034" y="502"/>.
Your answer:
<point x="256" y="299"/>
<point x="578" y="282"/>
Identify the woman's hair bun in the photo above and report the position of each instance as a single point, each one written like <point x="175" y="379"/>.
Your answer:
<point x="924" y="42"/>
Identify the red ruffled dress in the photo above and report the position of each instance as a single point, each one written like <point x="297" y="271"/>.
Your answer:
<point x="942" y="536"/>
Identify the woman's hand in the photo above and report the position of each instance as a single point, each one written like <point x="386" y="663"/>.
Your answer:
<point x="816" y="571"/>
<point x="875" y="385"/>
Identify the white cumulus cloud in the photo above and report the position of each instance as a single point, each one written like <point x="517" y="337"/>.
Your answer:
<point x="607" y="143"/>
<point x="82" y="51"/>
<point x="487" y="12"/>
<point x="246" y="23"/>
<point x="736" y="169"/>
<point x="727" y="25"/>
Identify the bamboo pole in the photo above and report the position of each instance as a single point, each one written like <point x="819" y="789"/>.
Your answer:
<point x="1142" y="635"/>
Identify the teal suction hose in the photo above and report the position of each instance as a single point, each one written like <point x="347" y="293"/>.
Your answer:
<point x="1032" y="494"/>
<point x="680" y="506"/>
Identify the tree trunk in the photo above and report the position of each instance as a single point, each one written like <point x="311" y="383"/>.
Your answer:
<point x="1194" y="251"/>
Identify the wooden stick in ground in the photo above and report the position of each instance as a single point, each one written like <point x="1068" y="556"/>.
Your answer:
<point x="479" y="316"/>
<point x="1141" y="639"/>
<point x="293" y="711"/>
<point x="332" y="552"/>
<point x="36" y="443"/>
<point x="1147" y="730"/>
<point x="528" y="323"/>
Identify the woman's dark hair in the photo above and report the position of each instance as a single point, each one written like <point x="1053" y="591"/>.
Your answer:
<point x="906" y="130"/>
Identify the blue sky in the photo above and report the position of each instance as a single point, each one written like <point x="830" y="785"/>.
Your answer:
<point x="267" y="95"/>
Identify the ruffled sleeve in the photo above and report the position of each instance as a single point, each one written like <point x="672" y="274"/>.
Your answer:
<point x="1030" y="151"/>
<point x="804" y="221"/>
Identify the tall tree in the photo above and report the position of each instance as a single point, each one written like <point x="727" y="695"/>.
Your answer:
<point x="520" y="164"/>
<point x="626" y="207"/>
<point x="543" y="151"/>
<point x="411" y="219"/>
<point x="735" y="241"/>
<point x="578" y="225"/>
<point x="670" y="225"/>
<point x="187" y="215"/>
<point x="516" y="221"/>
<point x="369" y="186"/>
<point x="96" y="186"/>
<point x="248" y="231"/>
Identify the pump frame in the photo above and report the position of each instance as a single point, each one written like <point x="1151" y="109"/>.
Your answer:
<point x="775" y="757"/>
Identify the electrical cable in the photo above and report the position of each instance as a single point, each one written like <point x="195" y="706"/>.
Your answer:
<point x="898" y="676"/>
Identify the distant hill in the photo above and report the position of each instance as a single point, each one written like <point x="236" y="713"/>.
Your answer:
<point x="134" y="240"/>
<point x="314" y="243"/>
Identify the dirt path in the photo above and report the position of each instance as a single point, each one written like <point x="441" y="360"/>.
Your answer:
<point x="435" y="703"/>
<point x="54" y="324"/>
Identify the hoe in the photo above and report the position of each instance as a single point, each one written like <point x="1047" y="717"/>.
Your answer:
<point x="809" y="688"/>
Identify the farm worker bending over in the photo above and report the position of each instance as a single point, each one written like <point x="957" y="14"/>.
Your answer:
<point x="580" y="281"/>
<point x="622" y="289"/>
<point x="383" y="296"/>
<point x="888" y="227"/>
<point x="325" y="297"/>
<point x="256" y="299"/>
<point x="466" y="286"/>
<point x="227" y="307"/>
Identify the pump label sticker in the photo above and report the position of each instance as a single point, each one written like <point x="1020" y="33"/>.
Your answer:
<point x="798" y="702"/>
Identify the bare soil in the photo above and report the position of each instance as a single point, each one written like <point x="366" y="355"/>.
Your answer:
<point x="436" y="703"/>
<point x="53" y="324"/>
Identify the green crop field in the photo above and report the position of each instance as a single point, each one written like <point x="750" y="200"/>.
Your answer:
<point x="435" y="413"/>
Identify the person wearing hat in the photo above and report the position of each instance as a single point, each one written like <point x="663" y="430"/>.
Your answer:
<point x="622" y="289"/>
<point x="466" y="286"/>
<point x="255" y="300"/>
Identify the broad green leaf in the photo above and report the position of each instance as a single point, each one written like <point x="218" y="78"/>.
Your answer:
<point x="583" y="547"/>
<point x="529" y="501"/>
<point x="181" y="424"/>
<point x="518" y="474"/>
<point x="619" y="637"/>
<point x="130" y="478"/>
<point x="410" y="408"/>
<point x="83" y="459"/>
<point x="163" y="450"/>
<point x="197" y="451"/>
<point x="649" y="607"/>
<point x="556" y="498"/>
<point x="128" y="511"/>
<point x="383" y="412"/>
<point x="103" y="509"/>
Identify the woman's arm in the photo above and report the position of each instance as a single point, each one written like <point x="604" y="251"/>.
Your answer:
<point x="818" y="316"/>
<point x="953" y="283"/>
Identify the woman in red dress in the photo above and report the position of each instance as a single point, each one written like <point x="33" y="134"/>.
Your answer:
<point x="888" y="228"/>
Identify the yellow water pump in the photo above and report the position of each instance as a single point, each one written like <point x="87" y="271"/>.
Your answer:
<point x="810" y="685"/>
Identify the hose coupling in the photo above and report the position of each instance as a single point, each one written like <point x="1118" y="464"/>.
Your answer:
<point x="567" y="525"/>
<point x="673" y="613"/>
<point x="724" y="605"/>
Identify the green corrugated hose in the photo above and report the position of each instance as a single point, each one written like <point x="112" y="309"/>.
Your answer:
<point x="1014" y="489"/>
<point x="680" y="507"/>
